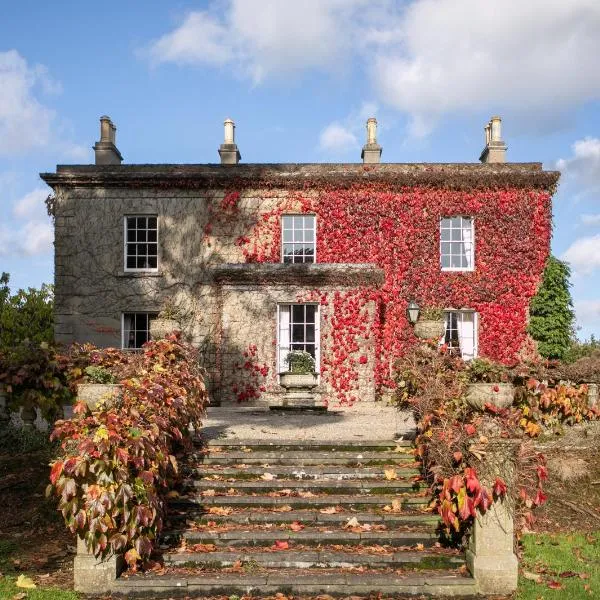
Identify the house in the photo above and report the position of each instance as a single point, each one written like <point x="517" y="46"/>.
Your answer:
<point x="261" y="259"/>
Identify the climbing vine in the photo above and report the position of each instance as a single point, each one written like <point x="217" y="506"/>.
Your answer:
<point x="398" y="230"/>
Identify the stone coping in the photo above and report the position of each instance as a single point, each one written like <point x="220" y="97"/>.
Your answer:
<point x="462" y="176"/>
<point x="302" y="275"/>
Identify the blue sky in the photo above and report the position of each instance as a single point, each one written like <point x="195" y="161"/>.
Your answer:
<point x="300" y="78"/>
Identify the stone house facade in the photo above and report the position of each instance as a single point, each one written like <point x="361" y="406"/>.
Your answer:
<point x="260" y="259"/>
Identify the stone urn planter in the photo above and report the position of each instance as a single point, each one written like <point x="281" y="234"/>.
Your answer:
<point x="501" y="395"/>
<point x="428" y="329"/>
<point x="298" y="389"/>
<point x="160" y="328"/>
<point x="93" y="393"/>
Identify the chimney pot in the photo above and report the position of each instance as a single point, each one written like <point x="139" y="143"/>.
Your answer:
<point x="495" y="148"/>
<point x="105" y="150"/>
<point x="371" y="152"/>
<point x="228" y="151"/>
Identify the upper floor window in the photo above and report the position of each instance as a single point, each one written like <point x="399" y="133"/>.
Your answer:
<point x="298" y="239"/>
<point x="141" y="243"/>
<point x="135" y="329"/>
<point x="461" y="332"/>
<point x="457" y="248"/>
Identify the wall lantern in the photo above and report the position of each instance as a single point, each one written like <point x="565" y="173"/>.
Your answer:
<point x="412" y="312"/>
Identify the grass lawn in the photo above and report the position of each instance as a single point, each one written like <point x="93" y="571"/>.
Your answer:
<point x="560" y="566"/>
<point x="9" y="590"/>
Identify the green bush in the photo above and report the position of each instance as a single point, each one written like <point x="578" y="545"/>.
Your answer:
<point x="551" y="311"/>
<point x="301" y="363"/>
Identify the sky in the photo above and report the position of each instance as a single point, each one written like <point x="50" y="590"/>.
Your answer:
<point x="300" y="78"/>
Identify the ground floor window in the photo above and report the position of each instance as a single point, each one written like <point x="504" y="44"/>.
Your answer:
<point x="135" y="330"/>
<point x="298" y="329"/>
<point x="461" y="332"/>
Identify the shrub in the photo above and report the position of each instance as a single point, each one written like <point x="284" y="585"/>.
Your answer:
<point x="432" y="313"/>
<point x="34" y="376"/>
<point x="551" y="311"/>
<point x="112" y="475"/>
<point x="482" y="370"/>
<point x="583" y="370"/>
<point x="97" y="374"/>
<point x="301" y="363"/>
<point x="453" y="439"/>
<point x="27" y="315"/>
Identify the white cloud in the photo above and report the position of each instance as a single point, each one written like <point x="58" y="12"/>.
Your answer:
<point x="31" y="233"/>
<point x="584" y="255"/>
<point x="455" y="55"/>
<point x="584" y="165"/>
<point x="337" y="138"/>
<point x="426" y="58"/>
<point x="590" y="219"/>
<point x="24" y="122"/>
<point x="588" y="315"/>
<point x="264" y="38"/>
<point x="31" y="205"/>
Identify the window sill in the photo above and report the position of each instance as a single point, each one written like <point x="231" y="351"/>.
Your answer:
<point x="139" y="274"/>
<point x="456" y="270"/>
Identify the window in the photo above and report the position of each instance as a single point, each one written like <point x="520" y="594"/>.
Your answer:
<point x="136" y="329"/>
<point x="461" y="332"/>
<point x="298" y="330"/>
<point x="141" y="243"/>
<point x="456" y="244"/>
<point x="298" y="238"/>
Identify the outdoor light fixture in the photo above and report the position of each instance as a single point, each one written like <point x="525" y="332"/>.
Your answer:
<point x="412" y="312"/>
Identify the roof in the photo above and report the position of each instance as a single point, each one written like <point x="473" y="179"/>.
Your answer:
<point x="461" y="176"/>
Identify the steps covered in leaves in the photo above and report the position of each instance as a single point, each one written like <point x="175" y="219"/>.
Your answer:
<point x="301" y="517"/>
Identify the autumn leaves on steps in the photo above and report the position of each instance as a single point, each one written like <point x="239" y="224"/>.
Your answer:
<point x="302" y="517"/>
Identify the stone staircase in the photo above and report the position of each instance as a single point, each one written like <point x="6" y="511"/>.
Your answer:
<point x="301" y="517"/>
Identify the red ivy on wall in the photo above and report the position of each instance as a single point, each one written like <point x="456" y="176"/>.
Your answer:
<point x="399" y="231"/>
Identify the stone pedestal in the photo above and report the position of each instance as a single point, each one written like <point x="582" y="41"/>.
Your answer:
<point x="490" y="556"/>
<point x="298" y="389"/>
<point x="92" y="575"/>
<point x="593" y="395"/>
<point x="94" y="393"/>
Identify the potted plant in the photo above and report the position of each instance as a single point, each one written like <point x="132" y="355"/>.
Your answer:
<point x="488" y="383"/>
<point x="166" y="322"/>
<point x="431" y="324"/>
<point x="300" y="379"/>
<point x="100" y="386"/>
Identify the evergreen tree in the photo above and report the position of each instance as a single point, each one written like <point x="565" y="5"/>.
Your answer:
<point x="551" y="311"/>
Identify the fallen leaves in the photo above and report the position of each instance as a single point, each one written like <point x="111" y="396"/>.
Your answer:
<point x="395" y="507"/>
<point x="295" y="526"/>
<point x="267" y="476"/>
<point x="284" y="508"/>
<point x="220" y="510"/>
<point x="330" y="510"/>
<point x="280" y="545"/>
<point x="25" y="582"/>
<point x="390" y="474"/>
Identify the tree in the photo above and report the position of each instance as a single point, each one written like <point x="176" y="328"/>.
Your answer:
<point x="551" y="311"/>
<point x="25" y="315"/>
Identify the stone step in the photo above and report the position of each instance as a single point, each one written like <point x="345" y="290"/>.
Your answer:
<point x="310" y="517"/>
<point x="357" y="502"/>
<point x="261" y="444"/>
<point x="308" y="457"/>
<point x="309" y="537"/>
<point x="320" y="559"/>
<point x="300" y="581"/>
<point x="323" y="472"/>
<point x="321" y="487"/>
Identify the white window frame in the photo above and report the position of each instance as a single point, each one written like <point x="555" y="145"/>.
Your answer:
<point x="315" y="235"/>
<point x="154" y="315"/>
<point x="280" y="358"/>
<point x="461" y="312"/>
<point x="127" y="269"/>
<point x="471" y="254"/>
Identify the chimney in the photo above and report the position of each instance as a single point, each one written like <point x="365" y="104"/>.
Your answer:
<point x="495" y="148"/>
<point x="371" y="152"/>
<point x="228" y="151"/>
<point x="105" y="150"/>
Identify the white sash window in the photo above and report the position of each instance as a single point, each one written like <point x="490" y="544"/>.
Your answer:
<point x="457" y="244"/>
<point x="135" y="329"/>
<point x="298" y="329"/>
<point x="298" y="239"/>
<point x="461" y="332"/>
